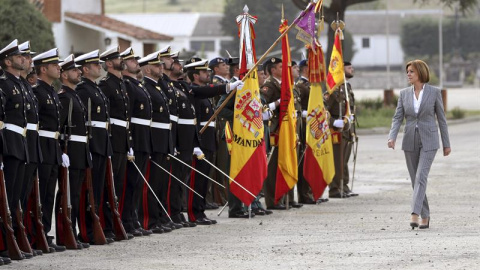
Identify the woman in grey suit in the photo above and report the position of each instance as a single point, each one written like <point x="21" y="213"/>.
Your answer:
<point x="420" y="105"/>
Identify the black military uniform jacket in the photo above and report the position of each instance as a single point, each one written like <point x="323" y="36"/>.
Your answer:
<point x="14" y="112"/>
<point x="271" y="90"/>
<point x="33" y="140"/>
<point x="186" y="110"/>
<point x="49" y="107"/>
<point x="78" y="152"/>
<point x="99" y="142"/>
<point x="170" y="90"/>
<point x="204" y="110"/>
<point x="161" y="137"/>
<point x="119" y="104"/>
<point x="140" y="107"/>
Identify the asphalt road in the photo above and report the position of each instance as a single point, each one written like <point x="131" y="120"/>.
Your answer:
<point x="367" y="232"/>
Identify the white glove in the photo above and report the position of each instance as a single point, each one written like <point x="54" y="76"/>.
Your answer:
<point x="304" y="114"/>
<point x="235" y="85"/>
<point x="266" y="115"/>
<point x="338" y="123"/>
<point x="175" y="152"/>
<point x="65" y="161"/>
<point x="198" y="152"/>
<point x="351" y="118"/>
<point x="272" y="105"/>
<point x="130" y="155"/>
<point x="1" y="166"/>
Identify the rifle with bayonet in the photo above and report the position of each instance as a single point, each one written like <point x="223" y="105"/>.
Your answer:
<point x="20" y="234"/>
<point x="13" y="250"/>
<point x="87" y="190"/>
<point x="35" y="210"/>
<point x="63" y="206"/>
<point x="118" y="228"/>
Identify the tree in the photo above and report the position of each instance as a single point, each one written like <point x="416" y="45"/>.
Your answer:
<point x="21" y="20"/>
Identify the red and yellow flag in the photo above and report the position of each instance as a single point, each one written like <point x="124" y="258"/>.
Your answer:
<point x="248" y="165"/>
<point x="318" y="165"/>
<point x="336" y="73"/>
<point x="287" y="170"/>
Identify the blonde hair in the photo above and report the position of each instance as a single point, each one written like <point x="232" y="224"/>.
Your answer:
<point x="421" y="68"/>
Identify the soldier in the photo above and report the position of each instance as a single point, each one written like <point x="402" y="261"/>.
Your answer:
<point x="33" y="142"/>
<point x="113" y="88"/>
<point x="151" y="212"/>
<point x="48" y="70"/>
<point x="99" y="143"/>
<point x="235" y="206"/>
<point x="172" y="70"/>
<point x="302" y="86"/>
<point x="343" y="135"/>
<point x="187" y="119"/>
<point x="141" y="142"/>
<point x="14" y="145"/>
<point x="271" y="91"/>
<point x="220" y="71"/>
<point x="77" y="147"/>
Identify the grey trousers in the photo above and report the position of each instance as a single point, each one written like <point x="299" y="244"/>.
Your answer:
<point x="419" y="163"/>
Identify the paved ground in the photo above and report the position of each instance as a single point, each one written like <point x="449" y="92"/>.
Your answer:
<point x="367" y="232"/>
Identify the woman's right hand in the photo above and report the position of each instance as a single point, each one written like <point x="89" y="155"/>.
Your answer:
<point x="391" y="144"/>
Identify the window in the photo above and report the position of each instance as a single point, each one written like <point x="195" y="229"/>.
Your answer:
<point x="365" y="42"/>
<point x="202" y="45"/>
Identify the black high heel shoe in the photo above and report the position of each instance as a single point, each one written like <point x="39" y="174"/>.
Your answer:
<point x="425" y="226"/>
<point x="414" y="221"/>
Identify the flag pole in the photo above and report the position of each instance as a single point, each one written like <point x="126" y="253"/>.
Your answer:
<point x="232" y="93"/>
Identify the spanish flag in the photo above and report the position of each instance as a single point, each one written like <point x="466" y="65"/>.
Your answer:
<point x="336" y="74"/>
<point x="287" y="170"/>
<point x="318" y="166"/>
<point x="248" y="165"/>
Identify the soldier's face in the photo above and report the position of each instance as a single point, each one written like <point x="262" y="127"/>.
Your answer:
<point x="132" y="66"/>
<point x="204" y="77"/>
<point x="53" y="71"/>
<point x="28" y="62"/>
<point x="261" y="77"/>
<point x="156" y="71"/>
<point x="94" y="70"/>
<point x="277" y="70"/>
<point x="222" y="69"/>
<point x="349" y="71"/>
<point x="118" y="64"/>
<point x="295" y="72"/>
<point x="17" y="62"/>
<point x="167" y="62"/>
<point x="74" y="75"/>
<point x="177" y="69"/>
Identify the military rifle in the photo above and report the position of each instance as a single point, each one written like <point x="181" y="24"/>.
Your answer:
<point x="118" y="228"/>
<point x="13" y="251"/>
<point x="64" y="226"/>
<point x="35" y="210"/>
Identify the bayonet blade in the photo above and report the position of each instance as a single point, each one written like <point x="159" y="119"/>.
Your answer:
<point x="70" y="111"/>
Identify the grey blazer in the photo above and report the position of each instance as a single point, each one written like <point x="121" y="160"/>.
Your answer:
<point x="430" y="107"/>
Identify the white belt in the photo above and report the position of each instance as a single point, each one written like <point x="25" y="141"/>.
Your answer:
<point x="161" y="125"/>
<point x="49" y="134"/>
<point x="31" y="126"/>
<point x="17" y="129"/>
<point x="182" y="121"/>
<point x="173" y="118"/>
<point x="140" y="121"/>
<point x="211" y="124"/>
<point x="118" y="122"/>
<point x="98" y="124"/>
<point x="78" y="138"/>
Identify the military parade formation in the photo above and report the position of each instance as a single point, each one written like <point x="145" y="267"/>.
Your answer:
<point x="124" y="158"/>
